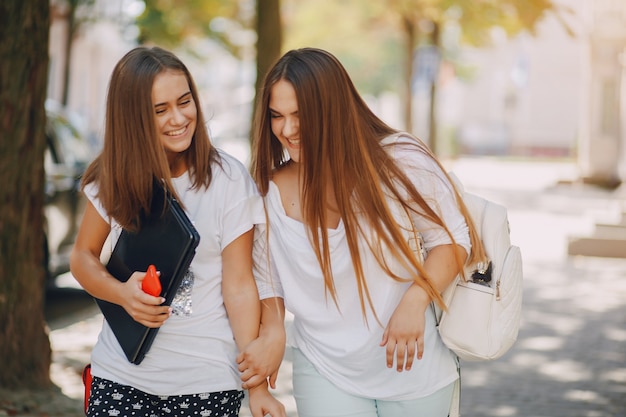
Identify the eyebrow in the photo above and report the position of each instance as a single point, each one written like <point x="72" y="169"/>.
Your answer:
<point x="179" y="98"/>
<point x="277" y="112"/>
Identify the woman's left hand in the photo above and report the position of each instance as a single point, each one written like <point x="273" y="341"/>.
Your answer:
<point x="404" y="334"/>
<point x="261" y="359"/>
<point x="262" y="403"/>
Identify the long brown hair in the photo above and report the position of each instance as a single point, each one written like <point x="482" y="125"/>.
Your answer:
<point x="133" y="157"/>
<point x="341" y="141"/>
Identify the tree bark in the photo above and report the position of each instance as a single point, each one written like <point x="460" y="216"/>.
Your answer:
<point x="408" y="26"/>
<point x="69" y="43"/>
<point x="432" y="110"/>
<point x="269" y="41"/>
<point x="24" y="342"/>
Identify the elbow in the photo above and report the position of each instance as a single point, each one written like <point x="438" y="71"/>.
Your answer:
<point x="461" y="254"/>
<point x="74" y="260"/>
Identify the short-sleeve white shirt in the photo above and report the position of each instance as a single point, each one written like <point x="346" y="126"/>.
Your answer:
<point x="194" y="351"/>
<point x="337" y="340"/>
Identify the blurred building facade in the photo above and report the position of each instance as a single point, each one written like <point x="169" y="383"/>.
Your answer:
<point x="552" y="94"/>
<point x="602" y="152"/>
<point x="546" y="95"/>
<point x="101" y="39"/>
<point x="523" y="94"/>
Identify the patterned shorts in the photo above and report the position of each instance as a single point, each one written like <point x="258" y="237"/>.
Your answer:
<point x="110" y="399"/>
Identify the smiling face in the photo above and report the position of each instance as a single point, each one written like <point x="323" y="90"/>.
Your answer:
<point x="285" y="119"/>
<point x="175" y="113"/>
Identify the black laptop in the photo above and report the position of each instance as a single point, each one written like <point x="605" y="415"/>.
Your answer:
<point x="167" y="239"/>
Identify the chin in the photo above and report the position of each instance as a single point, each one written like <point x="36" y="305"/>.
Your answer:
<point x="178" y="145"/>
<point x="295" y="157"/>
<point x="185" y="147"/>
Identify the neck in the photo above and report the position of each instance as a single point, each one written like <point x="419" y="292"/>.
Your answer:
<point x="178" y="165"/>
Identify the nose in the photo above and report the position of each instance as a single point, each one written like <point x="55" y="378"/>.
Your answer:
<point x="178" y="118"/>
<point x="290" y="129"/>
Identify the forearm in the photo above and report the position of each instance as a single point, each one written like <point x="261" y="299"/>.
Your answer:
<point x="244" y="312"/>
<point x="404" y="335"/>
<point x="93" y="276"/>
<point x="262" y="358"/>
<point x="85" y="262"/>
<point x="442" y="267"/>
<point x="273" y="318"/>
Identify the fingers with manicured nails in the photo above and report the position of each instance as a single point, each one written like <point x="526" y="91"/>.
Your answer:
<point x="400" y="355"/>
<point x="390" y="349"/>
<point x="142" y="307"/>
<point x="410" y="354"/>
<point x="420" y="348"/>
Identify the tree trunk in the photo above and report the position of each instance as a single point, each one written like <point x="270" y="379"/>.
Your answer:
<point x="24" y="342"/>
<point x="408" y="26"/>
<point x="432" y="111"/>
<point x="69" y="42"/>
<point x="269" y="41"/>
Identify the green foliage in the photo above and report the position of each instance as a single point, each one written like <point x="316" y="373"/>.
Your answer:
<point x="170" y="22"/>
<point x="477" y="18"/>
<point x="357" y="32"/>
<point x="368" y="36"/>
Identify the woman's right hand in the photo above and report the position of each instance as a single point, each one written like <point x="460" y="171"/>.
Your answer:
<point x="142" y="307"/>
<point x="87" y="269"/>
<point x="260" y="360"/>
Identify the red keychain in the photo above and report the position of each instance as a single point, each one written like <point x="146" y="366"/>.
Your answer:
<point x="151" y="283"/>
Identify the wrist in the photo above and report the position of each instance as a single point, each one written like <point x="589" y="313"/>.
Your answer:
<point x="418" y="296"/>
<point x="273" y="331"/>
<point x="262" y="387"/>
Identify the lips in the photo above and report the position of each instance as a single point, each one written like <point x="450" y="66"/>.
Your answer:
<point x="177" y="132"/>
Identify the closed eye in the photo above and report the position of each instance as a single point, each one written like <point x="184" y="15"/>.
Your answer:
<point x="185" y="99"/>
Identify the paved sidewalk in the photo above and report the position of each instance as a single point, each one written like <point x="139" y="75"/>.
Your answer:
<point x="570" y="358"/>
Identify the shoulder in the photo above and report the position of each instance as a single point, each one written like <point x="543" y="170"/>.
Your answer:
<point x="229" y="166"/>
<point x="231" y="178"/>
<point x="92" y="192"/>
<point x="90" y="189"/>
<point x="407" y="149"/>
<point x="403" y="140"/>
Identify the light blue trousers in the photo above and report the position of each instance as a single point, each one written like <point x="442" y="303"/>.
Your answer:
<point x="317" y="397"/>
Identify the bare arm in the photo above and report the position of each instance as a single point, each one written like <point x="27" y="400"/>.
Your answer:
<point x="442" y="267"/>
<point x="404" y="335"/>
<point x="241" y="300"/>
<point x="262" y="358"/>
<point x="93" y="277"/>
<point x="239" y="291"/>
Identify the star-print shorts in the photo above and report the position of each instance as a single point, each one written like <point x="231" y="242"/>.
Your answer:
<point x="110" y="399"/>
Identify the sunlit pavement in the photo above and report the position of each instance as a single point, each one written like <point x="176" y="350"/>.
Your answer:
<point x="570" y="358"/>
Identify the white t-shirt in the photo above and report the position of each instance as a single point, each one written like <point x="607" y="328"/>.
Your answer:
<point x="194" y="351"/>
<point x="338" y="342"/>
